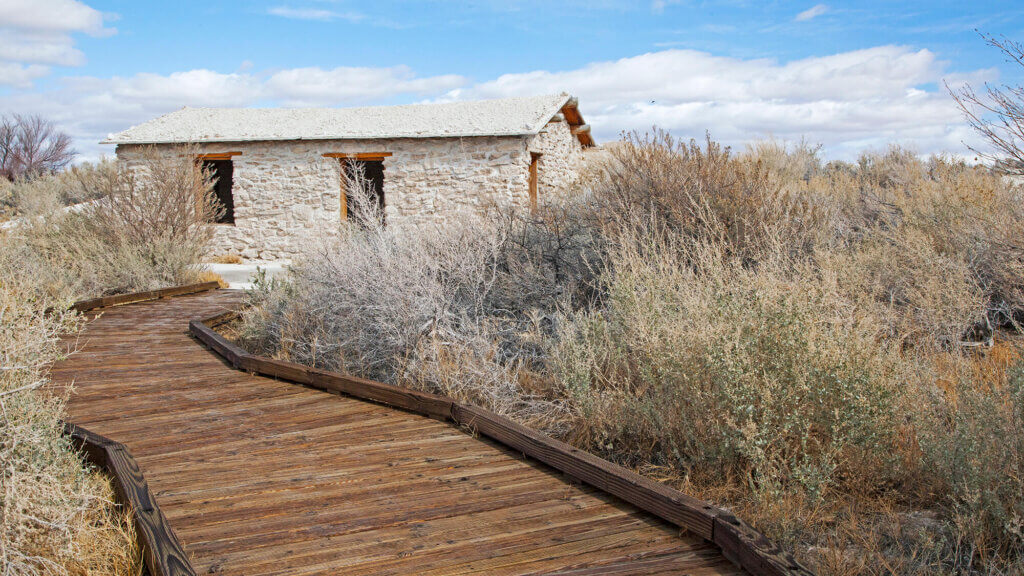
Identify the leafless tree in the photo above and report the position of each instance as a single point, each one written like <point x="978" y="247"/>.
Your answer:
<point x="8" y="139"/>
<point x="998" y="113"/>
<point x="31" y="145"/>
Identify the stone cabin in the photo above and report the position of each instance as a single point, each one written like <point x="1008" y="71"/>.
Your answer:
<point x="279" y="171"/>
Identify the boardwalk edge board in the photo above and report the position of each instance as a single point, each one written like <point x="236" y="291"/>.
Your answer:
<point x="739" y="542"/>
<point x="119" y="299"/>
<point x="162" y="552"/>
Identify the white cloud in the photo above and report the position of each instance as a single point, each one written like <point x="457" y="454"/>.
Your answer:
<point x="51" y="16"/>
<point x="20" y="75"/>
<point x="812" y="13"/>
<point x="316" y="86"/>
<point x="39" y="48"/>
<point x="848" y="101"/>
<point x="159" y="92"/>
<point x="35" y="34"/>
<point x="313" y="14"/>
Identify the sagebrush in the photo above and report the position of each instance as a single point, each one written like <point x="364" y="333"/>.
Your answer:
<point x="57" y="516"/>
<point x="827" y="348"/>
<point x="126" y="229"/>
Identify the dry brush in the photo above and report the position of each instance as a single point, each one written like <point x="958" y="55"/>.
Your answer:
<point x="808" y="343"/>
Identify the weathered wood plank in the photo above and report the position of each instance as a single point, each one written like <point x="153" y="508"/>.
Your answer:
<point x="233" y="354"/>
<point x="259" y="476"/>
<point x="684" y="511"/>
<point x="92" y="445"/>
<point x="431" y="405"/>
<point x="748" y="548"/>
<point x="161" y="550"/>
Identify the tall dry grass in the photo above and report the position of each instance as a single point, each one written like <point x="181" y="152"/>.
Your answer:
<point x="827" y="348"/>
<point x="57" y="516"/>
<point x="138" y="230"/>
<point x="142" y="229"/>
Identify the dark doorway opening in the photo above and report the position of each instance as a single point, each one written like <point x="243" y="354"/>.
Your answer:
<point x="222" y="172"/>
<point x="371" y="174"/>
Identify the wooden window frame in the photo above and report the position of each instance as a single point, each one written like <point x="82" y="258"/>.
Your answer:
<point x="216" y="156"/>
<point x="342" y="156"/>
<point x="369" y="156"/>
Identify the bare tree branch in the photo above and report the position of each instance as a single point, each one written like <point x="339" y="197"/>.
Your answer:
<point x="998" y="113"/>
<point x="31" y="145"/>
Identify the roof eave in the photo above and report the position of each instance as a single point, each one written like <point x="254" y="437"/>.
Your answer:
<point x="516" y="134"/>
<point x="543" y="121"/>
<point x="573" y="116"/>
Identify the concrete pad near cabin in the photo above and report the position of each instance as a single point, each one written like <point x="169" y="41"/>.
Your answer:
<point x="241" y="276"/>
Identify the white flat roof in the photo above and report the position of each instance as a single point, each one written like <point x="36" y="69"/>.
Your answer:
<point x="504" y="117"/>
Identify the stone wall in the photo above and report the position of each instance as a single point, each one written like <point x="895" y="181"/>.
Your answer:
<point x="286" y="194"/>
<point x="560" y="161"/>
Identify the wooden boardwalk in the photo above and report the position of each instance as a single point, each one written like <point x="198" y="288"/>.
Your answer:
<point x="258" y="476"/>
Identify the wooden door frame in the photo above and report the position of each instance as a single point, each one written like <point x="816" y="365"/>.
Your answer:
<point x="220" y="156"/>
<point x="534" y="162"/>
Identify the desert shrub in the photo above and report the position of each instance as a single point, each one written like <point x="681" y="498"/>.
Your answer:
<point x="124" y="231"/>
<point x="763" y="375"/>
<point x="893" y="219"/>
<point x="48" y="192"/>
<point x="32" y="197"/>
<point x="706" y="192"/>
<point x="808" y="343"/>
<point x="959" y="212"/>
<point x="920" y="296"/>
<point x="56" y="515"/>
<point x="972" y="441"/>
<point x="7" y="201"/>
<point x="144" y="229"/>
<point x="462" y="310"/>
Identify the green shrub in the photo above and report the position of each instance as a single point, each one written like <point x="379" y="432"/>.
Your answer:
<point x="713" y="366"/>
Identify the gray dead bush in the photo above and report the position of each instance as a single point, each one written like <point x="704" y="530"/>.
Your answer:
<point x="466" y="309"/>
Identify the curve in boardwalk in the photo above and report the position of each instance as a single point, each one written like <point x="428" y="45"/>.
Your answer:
<point x="260" y="476"/>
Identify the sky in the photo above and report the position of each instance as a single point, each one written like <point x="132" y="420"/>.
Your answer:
<point x="850" y="76"/>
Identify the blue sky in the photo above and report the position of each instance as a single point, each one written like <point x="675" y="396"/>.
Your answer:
<point x="852" y="76"/>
